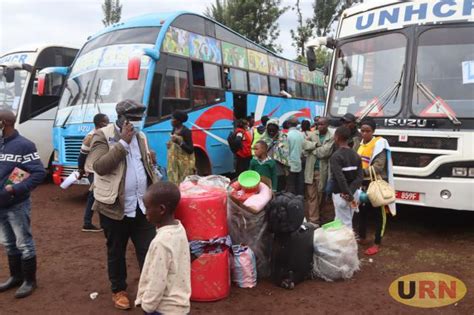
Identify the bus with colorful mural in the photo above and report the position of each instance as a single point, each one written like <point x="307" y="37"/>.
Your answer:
<point x="410" y="65"/>
<point x="18" y="91"/>
<point x="179" y="61"/>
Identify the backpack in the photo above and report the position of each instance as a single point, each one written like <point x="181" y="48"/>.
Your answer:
<point x="285" y="213"/>
<point x="234" y="144"/>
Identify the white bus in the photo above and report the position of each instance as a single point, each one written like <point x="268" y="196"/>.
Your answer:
<point x="410" y="65"/>
<point x="18" y="91"/>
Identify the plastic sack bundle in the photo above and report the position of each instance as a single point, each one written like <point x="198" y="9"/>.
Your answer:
<point x="244" y="267"/>
<point x="335" y="253"/>
<point x="246" y="227"/>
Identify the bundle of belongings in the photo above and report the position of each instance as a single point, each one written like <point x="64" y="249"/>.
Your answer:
<point x="243" y="266"/>
<point x="247" y="222"/>
<point x="335" y="252"/>
<point x="292" y="248"/>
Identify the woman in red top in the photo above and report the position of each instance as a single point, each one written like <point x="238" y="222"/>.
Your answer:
<point x="244" y="154"/>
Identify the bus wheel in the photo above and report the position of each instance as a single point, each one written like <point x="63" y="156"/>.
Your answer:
<point x="203" y="165"/>
<point x="50" y="169"/>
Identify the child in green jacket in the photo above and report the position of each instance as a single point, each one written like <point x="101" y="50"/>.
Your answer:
<point x="263" y="164"/>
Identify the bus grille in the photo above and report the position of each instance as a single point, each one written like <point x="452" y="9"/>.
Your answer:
<point x="72" y="146"/>
<point x="436" y="143"/>
<point x="412" y="159"/>
<point x="67" y="171"/>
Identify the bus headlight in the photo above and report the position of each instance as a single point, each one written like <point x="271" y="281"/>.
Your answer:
<point x="471" y="172"/>
<point x="460" y="171"/>
<point x="56" y="156"/>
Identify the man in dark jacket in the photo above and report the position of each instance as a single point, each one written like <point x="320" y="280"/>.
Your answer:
<point x="17" y="155"/>
<point x="350" y="121"/>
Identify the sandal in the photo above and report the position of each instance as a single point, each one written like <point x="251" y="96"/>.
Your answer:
<point x="372" y="250"/>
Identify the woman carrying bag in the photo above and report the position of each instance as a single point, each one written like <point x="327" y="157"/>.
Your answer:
<point x="376" y="158"/>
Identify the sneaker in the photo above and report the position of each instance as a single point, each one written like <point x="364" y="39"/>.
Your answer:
<point x="121" y="300"/>
<point x="91" y="228"/>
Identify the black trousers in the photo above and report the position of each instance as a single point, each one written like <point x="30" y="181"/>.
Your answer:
<point x="295" y="183"/>
<point x="117" y="233"/>
<point x="365" y="210"/>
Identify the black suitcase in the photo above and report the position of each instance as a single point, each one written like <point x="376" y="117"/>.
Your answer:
<point x="292" y="256"/>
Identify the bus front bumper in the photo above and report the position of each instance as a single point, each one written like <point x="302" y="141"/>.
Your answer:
<point x="61" y="172"/>
<point x="446" y="193"/>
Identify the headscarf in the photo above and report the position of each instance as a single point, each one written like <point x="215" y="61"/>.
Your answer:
<point x="180" y="116"/>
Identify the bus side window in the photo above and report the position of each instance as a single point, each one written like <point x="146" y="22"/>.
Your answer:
<point x="274" y="86"/>
<point x="291" y="88"/>
<point x="176" y="95"/>
<point x="207" y="84"/>
<point x="258" y="83"/>
<point x="238" y="79"/>
<point x="306" y="91"/>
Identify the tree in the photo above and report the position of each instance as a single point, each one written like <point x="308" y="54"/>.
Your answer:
<point x="303" y="32"/>
<point x="328" y="11"/>
<point x="112" y="12"/>
<point x="254" y="19"/>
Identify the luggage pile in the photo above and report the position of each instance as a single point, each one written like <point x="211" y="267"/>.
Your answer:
<point x="244" y="230"/>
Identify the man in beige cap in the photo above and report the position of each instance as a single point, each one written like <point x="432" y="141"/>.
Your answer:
<point x="123" y="170"/>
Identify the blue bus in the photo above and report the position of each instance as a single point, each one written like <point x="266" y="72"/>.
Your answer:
<point x="181" y="61"/>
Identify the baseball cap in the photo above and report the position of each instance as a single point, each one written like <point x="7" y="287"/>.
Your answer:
<point x="130" y="109"/>
<point x="348" y="117"/>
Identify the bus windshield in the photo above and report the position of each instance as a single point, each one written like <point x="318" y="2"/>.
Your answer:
<point x="445" y="73"/>
<point x="368" y="72"/>
<point x="98" y="79"/>
<point x="11" y="93"/>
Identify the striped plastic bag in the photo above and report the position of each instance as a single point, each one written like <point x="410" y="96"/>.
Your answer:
<point x="244" y="266"/>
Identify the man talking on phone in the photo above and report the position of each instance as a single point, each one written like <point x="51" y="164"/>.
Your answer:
<point x="123" y="170"/>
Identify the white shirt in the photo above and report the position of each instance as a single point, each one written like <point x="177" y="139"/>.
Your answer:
<point x="135" y="179"/>
<point x="165" y="281"/>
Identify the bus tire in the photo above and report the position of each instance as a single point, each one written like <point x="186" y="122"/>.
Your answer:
<point x="49" y="170"/>
<point x="203" y="165"/>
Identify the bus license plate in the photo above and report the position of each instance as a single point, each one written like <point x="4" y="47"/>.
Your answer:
<point x="407" y="195"/>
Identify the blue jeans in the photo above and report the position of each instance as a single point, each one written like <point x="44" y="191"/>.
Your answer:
<point x="15" y="230"/>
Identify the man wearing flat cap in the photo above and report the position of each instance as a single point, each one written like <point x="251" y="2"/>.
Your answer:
<point x="123" y="170"/>
<point x="350" y="121"/>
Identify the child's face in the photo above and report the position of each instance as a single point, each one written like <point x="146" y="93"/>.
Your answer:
<point x="259" y="150"/>
<point x="154" y="211"/>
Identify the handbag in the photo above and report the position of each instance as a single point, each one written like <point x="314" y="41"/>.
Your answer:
<point x="380" y="193"/>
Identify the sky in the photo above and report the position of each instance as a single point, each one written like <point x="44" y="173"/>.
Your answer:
<point x="27" y="22"/>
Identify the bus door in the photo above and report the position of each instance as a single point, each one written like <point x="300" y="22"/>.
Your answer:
<point x="240" y="105"/>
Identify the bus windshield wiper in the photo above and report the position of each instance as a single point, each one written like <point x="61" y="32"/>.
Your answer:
<point x="438" y="102"/>
<point x="386" y="96"/>
<point x="85" y="93"/>
<point x="97" y="94"/>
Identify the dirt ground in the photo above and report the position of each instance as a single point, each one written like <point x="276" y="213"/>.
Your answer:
<point x="72" y="264"/>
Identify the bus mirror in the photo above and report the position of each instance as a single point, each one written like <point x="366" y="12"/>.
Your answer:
<point x="134" y="64"/>
<point x="9" y="74"/>
<point x="41" y="84"/>
<point x="311" y="57"/>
